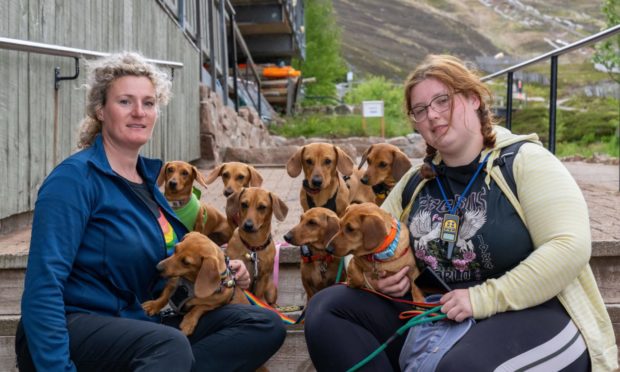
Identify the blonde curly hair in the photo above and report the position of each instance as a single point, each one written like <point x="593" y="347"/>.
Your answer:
<point x="102" y="73"/>
<point x="457" y="77"/>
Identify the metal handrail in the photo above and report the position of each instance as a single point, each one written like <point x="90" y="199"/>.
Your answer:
<point x="62" y="51"/>
<point x="553" y="55"/>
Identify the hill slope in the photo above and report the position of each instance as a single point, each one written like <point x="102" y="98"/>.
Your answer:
<point x="389" y="37"/>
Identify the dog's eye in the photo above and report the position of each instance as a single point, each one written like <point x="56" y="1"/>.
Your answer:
<point x="312" y="223"/>
<point x="240" y="177"/>
<point x="244" y="205"/>
<point x="225" y="176"/>
<point x="185" y="173"/>
<point x="262" y="207"/>
<point x="382" y="164"/>
<point x="309" y="161"/>
<point x="185" y="261"/>
<point x="349" y="229"/>
<point x="170" y="170"/>
<point x="327" y="161"/>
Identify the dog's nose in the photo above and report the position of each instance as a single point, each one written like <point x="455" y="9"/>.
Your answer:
<point x="228" y="192"/>
<point x="317" y="181"/>
<point x="160" y="267"/>
<point x="364" y="180"/>
<point x="248" y="226"/>
<point x="172" y="184"/>
<point x="288" y="237"/>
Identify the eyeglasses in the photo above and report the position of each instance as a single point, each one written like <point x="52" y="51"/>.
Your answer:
<point x="439" y="104"/>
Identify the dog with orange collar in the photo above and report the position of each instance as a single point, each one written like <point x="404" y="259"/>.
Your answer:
<point x="378" y="242"/>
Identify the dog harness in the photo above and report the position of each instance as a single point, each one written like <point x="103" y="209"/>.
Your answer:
<point x="184" y="290"/>
<point x="188" y="212"/>
<point x="324" y="259"/>
<point x="330" y="204"/>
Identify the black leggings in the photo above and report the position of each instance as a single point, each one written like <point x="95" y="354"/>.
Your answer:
<point x="344" y="325"/>
<point x="231" y="338"/>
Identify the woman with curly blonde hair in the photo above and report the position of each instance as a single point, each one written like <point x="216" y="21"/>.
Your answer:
<point x="100" y="227"/>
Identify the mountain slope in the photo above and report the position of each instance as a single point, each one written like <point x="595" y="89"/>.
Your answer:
<point x="390" y="37"/>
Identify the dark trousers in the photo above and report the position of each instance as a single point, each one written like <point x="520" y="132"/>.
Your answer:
<point x="231" y="338"/>
<point x="343" y="326"/>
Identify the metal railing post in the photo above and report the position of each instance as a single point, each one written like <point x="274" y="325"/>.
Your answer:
<point x="553" y="97"/>
<point x="234" y="62"/>
<point x="509" y="100"/>
<point x="224" y="63"/>
<point x="212" y="59"/>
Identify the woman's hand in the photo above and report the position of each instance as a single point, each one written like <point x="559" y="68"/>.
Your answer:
<point x="396" y="285"/>
<point x="242" y="276"/>
<point x="456" y="305"/>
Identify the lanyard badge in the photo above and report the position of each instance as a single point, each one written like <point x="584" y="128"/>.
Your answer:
<point x="449" y="231"/>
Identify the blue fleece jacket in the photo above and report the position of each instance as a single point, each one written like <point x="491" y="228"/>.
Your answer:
<point x="94" y="249"/>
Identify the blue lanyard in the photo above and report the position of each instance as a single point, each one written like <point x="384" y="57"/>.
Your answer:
<point x="454" y="208"/>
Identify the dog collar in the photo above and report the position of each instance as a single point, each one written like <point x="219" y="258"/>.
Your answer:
<point x="256" y="248"/>
<point x="227" y="277"/>
<point x="308" y="257"/>
<point x="387" y="249"/>
<point x="381" y="190"/>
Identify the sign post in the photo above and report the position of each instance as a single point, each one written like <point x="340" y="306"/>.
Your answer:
<point x="373" y="109"/>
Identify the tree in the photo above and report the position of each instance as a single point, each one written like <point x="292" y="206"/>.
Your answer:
<point x="608" y="51"/>
<point x="323" y="54"/>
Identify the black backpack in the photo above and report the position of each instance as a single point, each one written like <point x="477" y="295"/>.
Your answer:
<point x="504" y="161"/>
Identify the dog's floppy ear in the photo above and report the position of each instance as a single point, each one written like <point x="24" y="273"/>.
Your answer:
<point x="293" y="166"/>
<point x="199" y="177"/>
<point x="162" y="174"/>
<point x="331" y="228"/>
<point x="256" y="180"/>
<point x="374" y="230"/>
<point x="208" y="278"/>
<point x="400" y="165"/>
<point x="364" y="157"/>
<point x="233" y="203"/>
<point x="214" y="174"/>
<point x="345" y="164"/>
<point x="280" y="210"/>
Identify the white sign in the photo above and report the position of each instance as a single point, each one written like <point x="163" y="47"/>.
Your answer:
<point x="372" y="109"/>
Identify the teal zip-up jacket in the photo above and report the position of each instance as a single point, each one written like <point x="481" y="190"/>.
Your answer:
<point x="94" y="249"/>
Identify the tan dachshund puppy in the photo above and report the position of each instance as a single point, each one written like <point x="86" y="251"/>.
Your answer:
<point x="200" y="261"/>
<point x="378" y="242"/>
<point x="235" y="176"/>
<point x="386" y="166"/>
<point x="178" y="178"/>
<point x="322" y="185"/>
<point x="319" y="267"/>
<point x="252" y="241"/>
<point x="358" y="191"/>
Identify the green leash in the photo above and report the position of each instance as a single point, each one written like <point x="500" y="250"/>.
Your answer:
<point x="340" y="267"/>
<point x="420" y="319"/>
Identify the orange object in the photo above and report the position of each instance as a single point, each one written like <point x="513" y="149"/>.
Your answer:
<point x="280" y="72"/>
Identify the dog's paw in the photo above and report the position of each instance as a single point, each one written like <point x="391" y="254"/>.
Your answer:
<point x="188" y="325"/>
<point x="151" y="307"/>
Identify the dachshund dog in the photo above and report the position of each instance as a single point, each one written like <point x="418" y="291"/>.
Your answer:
<point x="358" y="191"/>
<point x="378" y="242"/>
<point x="386" y="166"/>
<point x="200" y="261"/>
<point x="318" y="266"/>
<point x="178" y="178"/>
<point x="235" y="177"/>
<point x="322" y="186"/>
<point x="252" y="241"/>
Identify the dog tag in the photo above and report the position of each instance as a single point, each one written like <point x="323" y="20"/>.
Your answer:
<point x="449" y="231"/>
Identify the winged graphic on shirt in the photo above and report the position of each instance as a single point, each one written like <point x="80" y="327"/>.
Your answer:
<point x="424" y="227"/>
<point x="428" y="230"/>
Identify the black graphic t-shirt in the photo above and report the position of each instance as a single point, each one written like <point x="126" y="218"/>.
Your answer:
<point x="492" y="239"/>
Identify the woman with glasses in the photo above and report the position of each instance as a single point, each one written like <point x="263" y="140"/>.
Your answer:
<point x="523" y="295"/>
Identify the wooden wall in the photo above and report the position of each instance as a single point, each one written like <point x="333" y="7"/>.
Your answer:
<point x="28" y="151"/>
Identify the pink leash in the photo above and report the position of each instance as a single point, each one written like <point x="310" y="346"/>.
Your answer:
<point x="276" y="264"/>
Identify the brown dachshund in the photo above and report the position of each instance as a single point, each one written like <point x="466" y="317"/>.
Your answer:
<point x="386" y="166"/>
<point x="252" y="241"/>
<point x="358" y="191"/>
<point x="378" y="242"/>
<point x="235" y="176"/>
<point x="178" y="178"/>
<point x="322" y="185"/>
<point x="200" y="261"/>
<point x="318" y="266"/>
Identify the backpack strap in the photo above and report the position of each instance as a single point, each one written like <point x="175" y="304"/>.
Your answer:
<point x="505" y="160"/>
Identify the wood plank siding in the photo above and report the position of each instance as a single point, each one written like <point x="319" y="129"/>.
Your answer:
<point x="32" y="142"/>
